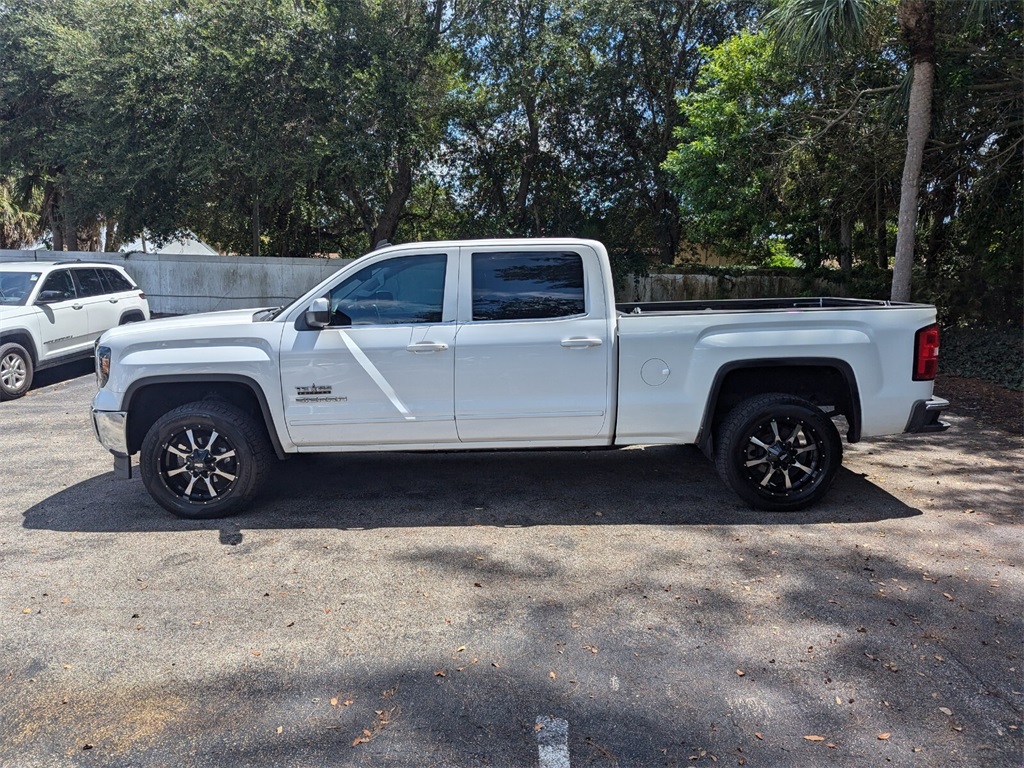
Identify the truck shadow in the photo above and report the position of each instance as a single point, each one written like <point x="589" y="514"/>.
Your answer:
<point x="664" y="486"/>
<point x="62" y="372"/>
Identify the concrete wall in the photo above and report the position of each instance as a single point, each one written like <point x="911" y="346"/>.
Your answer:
<point x="182" y="284"/>
<point x="179" y="284"/>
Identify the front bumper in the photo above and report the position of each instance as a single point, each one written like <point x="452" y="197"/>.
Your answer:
<point x="925" y="416"/>
<point x="111" y="430"/>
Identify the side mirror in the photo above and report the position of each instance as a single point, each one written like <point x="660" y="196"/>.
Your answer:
<point x="49" y="297"/>
<point x="319" y="314"/>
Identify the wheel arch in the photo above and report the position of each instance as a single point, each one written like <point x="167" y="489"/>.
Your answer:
<point x="146" y="400"/>
<point x="22" y="338"/>
<point x="823" y="381"/>
<point x="131" y="316"/>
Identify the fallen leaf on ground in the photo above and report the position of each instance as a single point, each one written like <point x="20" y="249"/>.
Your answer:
<point x="814" y="738"/>
<point x="884" y="736"/>
<point x="946" y="711"/>
<point x="740" y="673"/>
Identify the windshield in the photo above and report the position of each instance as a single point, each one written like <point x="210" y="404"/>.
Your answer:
<point x="16" y="286"/>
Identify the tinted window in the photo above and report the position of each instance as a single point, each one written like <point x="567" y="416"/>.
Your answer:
<point x="115" y="281"/>
<point x="522" y="286"/>
<point x="58" y="287"/>
<point x="90" y="283"/>
<point x="406" y="289"/>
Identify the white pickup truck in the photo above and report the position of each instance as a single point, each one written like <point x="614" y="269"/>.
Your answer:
<point x="509" y="344"/>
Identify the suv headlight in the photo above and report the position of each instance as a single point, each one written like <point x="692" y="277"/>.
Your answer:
<point x="102" y="365"/>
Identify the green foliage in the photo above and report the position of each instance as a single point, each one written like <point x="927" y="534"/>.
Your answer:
<point x="984" y="353"/>
<point x="314" y="126"/>
<point x="19" y="225"/>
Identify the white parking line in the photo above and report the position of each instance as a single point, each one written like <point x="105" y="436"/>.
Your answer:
<point x="552" y="742"/>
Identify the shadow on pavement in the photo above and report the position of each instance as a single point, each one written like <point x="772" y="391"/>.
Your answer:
<point x="60" y="373"/>
<point x="667" y="486"/>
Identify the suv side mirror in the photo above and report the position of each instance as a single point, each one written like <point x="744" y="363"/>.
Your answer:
<point x="319" y="314"/>
<point x="49" y="297"/>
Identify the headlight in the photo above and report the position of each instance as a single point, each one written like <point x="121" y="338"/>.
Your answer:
<point x="102" y="365"/>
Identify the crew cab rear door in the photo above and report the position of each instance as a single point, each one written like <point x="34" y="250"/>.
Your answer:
<point x="533" y="355"/>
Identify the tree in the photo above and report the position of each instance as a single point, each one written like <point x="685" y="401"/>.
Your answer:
<point x="19" y="225"/>
<point x="817" y="29"/>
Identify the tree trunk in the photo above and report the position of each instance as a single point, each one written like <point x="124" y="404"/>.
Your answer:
<point x="881" y="236"/>
<point x="846" y="243"/>
<point x="113" y="241"/>
<point x="917" y="25"/>
<point x="256" y="225"/>
<point x="401" y="188"/>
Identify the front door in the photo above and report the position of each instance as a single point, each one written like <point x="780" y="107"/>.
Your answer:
<point x="383" y="371"/>
<point x="63" y="319"/>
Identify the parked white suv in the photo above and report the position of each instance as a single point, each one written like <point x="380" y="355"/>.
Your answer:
<point x="53" y="312"/>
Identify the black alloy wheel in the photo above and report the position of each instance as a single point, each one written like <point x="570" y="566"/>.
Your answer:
<point x="204" y="460"/>
<point x="778" y="452"/>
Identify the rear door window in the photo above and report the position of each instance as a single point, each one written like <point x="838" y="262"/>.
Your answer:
<point x="527" y="285"/>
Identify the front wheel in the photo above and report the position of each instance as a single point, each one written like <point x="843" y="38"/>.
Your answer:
<point x="15" y="371"/>
<point x="778" y="452"/>
<point x="204" y="460"/>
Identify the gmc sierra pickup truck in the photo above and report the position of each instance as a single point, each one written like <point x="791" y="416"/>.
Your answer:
<point x="509" y="344"/>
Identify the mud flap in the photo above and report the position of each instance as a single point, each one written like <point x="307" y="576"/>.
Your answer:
<point x="123" y="467"/>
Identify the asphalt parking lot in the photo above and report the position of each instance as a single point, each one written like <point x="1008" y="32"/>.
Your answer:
<point x="607" y="608"/>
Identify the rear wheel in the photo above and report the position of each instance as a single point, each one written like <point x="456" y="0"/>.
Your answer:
<point x="778" y="452"/>
<point x="204" y="460"/>
<point x="15" y="371"/>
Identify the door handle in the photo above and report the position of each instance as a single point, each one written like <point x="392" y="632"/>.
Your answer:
<point x="428" y="346"/>
<point x="112" y="301"/>
<point x="579" y="343"/>
<point x="76" y="306"/>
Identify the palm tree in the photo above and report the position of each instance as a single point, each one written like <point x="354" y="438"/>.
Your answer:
<point x="816" y="30"/>
<point x="19" y="225"/>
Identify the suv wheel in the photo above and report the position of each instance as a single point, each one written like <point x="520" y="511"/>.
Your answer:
<point x="15" y="371"/>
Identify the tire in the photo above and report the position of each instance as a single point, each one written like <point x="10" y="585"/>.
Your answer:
<point x="778" y="452"/>
<point x="205" y="460"/>
<point x="16" y="371"/>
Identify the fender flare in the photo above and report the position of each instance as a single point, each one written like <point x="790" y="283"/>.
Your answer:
<point x="844" y="368"/>
<point x="212" y="378"/>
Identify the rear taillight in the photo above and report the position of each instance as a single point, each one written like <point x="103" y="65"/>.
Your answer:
<point x="926" y="353"/>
